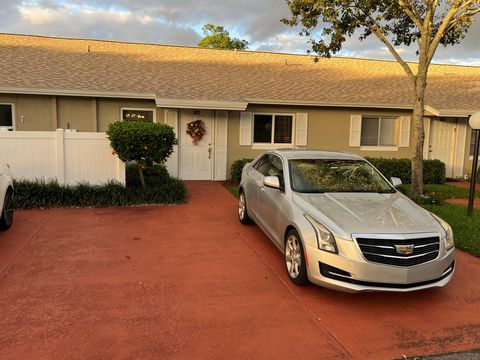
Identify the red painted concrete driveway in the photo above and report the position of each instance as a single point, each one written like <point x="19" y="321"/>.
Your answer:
<point x="190" y="282"/>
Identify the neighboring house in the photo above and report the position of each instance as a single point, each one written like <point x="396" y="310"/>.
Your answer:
<point x="249" y="101"/>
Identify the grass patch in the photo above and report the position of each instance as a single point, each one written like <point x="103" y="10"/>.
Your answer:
<point x="234" y="190"/>
<point x="466" y="230"/>
<point x="160" y="189"/>
<point x="447" y="191"/>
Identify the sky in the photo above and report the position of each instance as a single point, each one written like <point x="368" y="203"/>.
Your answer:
<point x="179" y="22"/>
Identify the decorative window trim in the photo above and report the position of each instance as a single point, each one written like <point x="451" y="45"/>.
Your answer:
<point x="14" y="123"/>
<point x="153" y="110"/>
<point x="273" y="145"/>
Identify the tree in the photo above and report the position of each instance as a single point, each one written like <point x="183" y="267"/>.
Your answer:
<point x="427" y="23"/>
<point x="216" y="37"/>
<point x="143" y="142"/>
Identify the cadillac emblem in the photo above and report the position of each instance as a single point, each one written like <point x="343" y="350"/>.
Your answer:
<point x="405" y="249"/>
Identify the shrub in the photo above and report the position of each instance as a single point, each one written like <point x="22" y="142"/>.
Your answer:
<point x="143" y="142"/>
<point x="236" y="169"/>
<point x="50" y="194"/>
<point x="154" y="175"/>
<point x="430" y="198"/>
<point x="433" y="170"/>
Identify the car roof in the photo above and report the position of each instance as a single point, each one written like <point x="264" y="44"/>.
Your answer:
<point x="316" y="154"/>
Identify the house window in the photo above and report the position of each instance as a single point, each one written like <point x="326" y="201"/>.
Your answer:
<point x="472" y="142"/>
<point x="378" y="131"/>
<point x="144" y="115"/>
<point x="272" y="129"/>
<point x="6" y="116"/>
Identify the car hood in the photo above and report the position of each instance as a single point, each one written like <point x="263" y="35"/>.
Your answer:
<point x="362" y="213"/>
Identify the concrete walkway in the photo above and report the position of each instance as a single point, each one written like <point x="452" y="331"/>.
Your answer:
<point x="190" y="282"/>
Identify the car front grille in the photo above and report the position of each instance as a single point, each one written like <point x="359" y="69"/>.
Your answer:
<point x="384" y="251"/>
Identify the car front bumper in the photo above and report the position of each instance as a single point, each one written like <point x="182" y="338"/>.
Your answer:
<point x="357" y="274"/>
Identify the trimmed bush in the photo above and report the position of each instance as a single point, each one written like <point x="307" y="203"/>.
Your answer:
<point x="143" y="142"/>
<point x="160" y="189"/>
<point x="433" y="170"/>
<point x="236" y="169"/>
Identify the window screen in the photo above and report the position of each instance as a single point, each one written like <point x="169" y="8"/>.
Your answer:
<point x="369" y="131"/>
<point x="262" y="128"/>
<point x="6" y="116"/>
<point x="283" y="129"/>
<point x="378" y="131"/>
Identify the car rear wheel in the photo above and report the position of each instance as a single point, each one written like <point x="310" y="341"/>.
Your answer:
<point x="242" y="209"/>
<point x="295" y="259"/>
<point x="7" y="212"/>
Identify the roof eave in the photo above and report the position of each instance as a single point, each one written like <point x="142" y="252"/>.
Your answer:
<point x="201" y="104"/>
<point x="81" y="93"/>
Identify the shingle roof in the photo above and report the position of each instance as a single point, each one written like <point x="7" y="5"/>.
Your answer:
<point x="174" y="72"/>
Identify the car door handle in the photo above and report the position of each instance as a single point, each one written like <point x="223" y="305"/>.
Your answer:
<point x="261" y="188"/>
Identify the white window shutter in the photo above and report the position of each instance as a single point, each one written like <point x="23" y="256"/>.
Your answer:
<point x="355" y="130"/>
<point x="246" y="118"/>
<point x="405" y="131"/>
<point x="301" y="128"/>
<point x="171" y="118"/>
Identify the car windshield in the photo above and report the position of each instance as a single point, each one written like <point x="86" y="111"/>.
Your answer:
<point x="334" y="175"/>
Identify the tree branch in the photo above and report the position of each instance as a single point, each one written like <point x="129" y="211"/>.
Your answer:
<point x="411" y="14"/>
<point x="378" y="33"/>
<point x="445" y="25"/>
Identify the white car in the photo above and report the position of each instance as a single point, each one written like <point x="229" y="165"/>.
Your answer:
<point x="6" y="196"/>
<point x="341" y="224"/>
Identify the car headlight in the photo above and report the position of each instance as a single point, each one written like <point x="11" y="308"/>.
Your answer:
<point x="448" y="239"/>
<point x="325" y="239"/>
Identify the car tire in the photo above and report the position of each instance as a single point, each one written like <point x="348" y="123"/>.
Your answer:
<point x="242" y="209"/>
<point x="6" y="219"/>
<point x="295" y="263"/>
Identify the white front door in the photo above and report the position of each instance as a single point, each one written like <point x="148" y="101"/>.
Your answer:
<point x="196" y="159"/>
<point x="441" y="142"/>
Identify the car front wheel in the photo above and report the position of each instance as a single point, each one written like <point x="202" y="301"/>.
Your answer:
<point x="295" y="259"/>
<point x="7" y="212"/>
<point x="242" y="209"/>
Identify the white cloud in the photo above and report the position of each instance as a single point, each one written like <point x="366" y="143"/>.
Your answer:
<point x="180" y="21"/>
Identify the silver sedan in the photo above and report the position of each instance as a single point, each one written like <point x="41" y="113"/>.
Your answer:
<point x="6" y="196"/>
<point x="342" y="225"/>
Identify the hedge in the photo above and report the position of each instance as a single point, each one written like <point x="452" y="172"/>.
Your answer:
<point x="433" y="170"/>
<point x="236" y="169"/>
<point x="160" y="189"/>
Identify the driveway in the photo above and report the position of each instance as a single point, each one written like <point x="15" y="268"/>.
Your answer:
<point x="190" y="282"/>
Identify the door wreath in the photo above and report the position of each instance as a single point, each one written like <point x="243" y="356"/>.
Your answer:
<point x="196" y="129"/>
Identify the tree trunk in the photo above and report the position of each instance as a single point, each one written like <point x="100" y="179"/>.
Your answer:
<point x="418" y="133"/>
<point x="142" y="179"/>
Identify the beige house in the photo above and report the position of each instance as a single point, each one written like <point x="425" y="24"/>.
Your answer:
<point x="249" y="101"/>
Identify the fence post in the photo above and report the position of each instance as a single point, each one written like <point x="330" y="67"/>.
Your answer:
<point x="60" y="147"/>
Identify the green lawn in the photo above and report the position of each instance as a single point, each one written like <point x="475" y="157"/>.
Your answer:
<point x="448" y="191"/>
<point x="466" y="230"/>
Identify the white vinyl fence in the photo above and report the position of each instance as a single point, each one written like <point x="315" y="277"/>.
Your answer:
<point x="69" y="157"/>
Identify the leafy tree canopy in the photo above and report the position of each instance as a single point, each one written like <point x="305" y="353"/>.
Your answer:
<point x="396" y="22"/>
<point x="425" y="23"/>
<point x="216" y="37"/>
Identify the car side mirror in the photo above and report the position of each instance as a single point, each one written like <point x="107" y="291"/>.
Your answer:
<point x="396" y="182"/>
<point x="272" y="182"/>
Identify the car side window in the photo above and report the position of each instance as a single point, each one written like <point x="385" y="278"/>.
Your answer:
<point x="263" y="164"/>
<point x="276" y="169"/>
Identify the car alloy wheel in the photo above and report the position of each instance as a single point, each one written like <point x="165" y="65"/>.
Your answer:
<point x="242" y="209"/>
<point x="7" y="214"/>
<point x="295" y="259"/>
